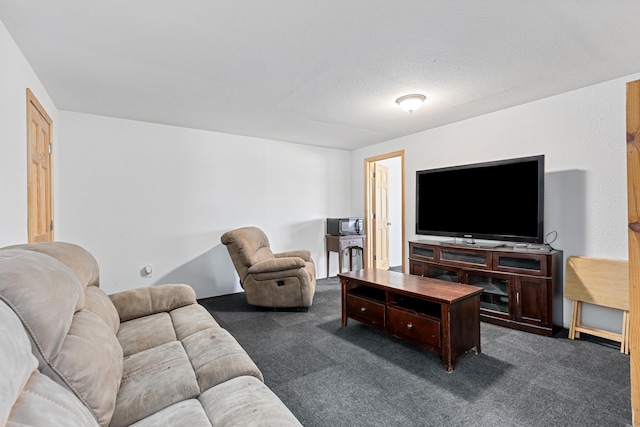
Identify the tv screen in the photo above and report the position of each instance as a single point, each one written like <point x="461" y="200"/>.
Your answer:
<point x="501" y="200"/>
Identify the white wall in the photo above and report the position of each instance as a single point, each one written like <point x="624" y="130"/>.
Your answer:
<point x="137" y="193"/>
<point x="582" y="135"/>
<point x="16" y="76"/>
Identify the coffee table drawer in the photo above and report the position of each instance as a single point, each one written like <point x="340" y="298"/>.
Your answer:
<point x="365" y="310"/>
<point x="413" y="326"/>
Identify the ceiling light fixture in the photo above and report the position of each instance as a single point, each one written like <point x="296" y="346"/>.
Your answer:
<point x="410" y="103"/>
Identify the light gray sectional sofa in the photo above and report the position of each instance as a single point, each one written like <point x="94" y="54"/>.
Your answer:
<point x="71" y="355"/>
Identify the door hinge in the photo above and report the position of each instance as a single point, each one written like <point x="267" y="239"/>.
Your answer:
<point x="374" y="257"/>
<point x="51" y="226"/>
<point x="50" y="148"/>
<point x="373" y="174"/>
<point x="373" y="216"/>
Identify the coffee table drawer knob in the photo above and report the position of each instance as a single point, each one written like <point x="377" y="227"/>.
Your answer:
<point x="363" y="309"/>
<point x="409" y="326"/>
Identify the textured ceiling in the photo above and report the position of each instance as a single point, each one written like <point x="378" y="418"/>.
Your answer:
<point x="324" y="73"/>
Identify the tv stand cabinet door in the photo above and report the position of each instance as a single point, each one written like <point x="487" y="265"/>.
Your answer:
<point x="499" y="292"/>
<point x="417" y="268"/>
<point x="531" y="264"/>
<point x="533" y="302"/>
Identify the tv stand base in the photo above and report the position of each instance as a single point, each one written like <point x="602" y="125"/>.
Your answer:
<point x="519" y="285"/>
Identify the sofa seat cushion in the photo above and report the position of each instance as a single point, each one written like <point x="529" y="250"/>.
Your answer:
<point x="186" y="413"/>
<point x="236" y="403"/>
<point x="217" y="357"/>
<point x="191" y="319"/>
<point x="153" y="380"/>
<point x="174" y="356"/>
<point x="214" y="354"/>
<point x="146" y="332"/>
<point x="143" y="333"/>
<point x="232" y="403"/>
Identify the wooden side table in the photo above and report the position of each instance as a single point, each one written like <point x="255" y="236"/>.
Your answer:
<point x="340" y="243"/>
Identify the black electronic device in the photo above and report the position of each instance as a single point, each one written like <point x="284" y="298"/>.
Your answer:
<point x="500" y="200"/>
<point x="345" y="226"/>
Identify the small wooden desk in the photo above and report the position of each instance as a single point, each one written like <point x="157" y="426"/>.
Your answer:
<point x="440" y="316"/>
<point x="340" y="243"/>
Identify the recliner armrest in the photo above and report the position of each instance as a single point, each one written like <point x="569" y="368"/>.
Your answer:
<point x="277" y="264"/>
<point x="303" y="253"/>
<point x="142" y="302"/>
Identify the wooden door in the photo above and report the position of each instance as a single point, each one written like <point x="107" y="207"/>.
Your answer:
<point x="39" y="187"/>
<point x="369" y="205"/>
<point x="381" y="220"/>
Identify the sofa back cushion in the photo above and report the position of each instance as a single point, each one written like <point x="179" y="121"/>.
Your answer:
<point x="27" y="397"/>
<point x="73" y="341"/>
<point x="83" y="265"/>
<point x="16" y="361"/>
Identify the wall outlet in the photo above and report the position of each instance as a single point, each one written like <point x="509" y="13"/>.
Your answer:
<point x="147" y="271"/>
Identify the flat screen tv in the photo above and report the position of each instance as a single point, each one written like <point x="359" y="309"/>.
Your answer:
<point x="500" y="200"/>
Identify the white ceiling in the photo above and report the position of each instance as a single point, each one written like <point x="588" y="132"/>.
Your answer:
<point x="319" y="72"/>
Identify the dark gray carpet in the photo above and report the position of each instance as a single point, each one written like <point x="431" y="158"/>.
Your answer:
<point x="356" y="376"/>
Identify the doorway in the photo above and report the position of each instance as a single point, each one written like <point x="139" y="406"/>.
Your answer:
<point x="39" y="176"/>
<point x="384" y="211"/>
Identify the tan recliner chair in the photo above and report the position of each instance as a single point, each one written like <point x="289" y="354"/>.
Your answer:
<point x="286" y="279"/>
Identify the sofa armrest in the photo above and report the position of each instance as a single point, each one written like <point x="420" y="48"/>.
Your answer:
<point x="142" y="302"/>
<point x="277" y="264"/>
<point x="303" y="253"/>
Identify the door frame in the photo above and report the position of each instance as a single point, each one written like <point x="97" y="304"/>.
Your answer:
<point x="369" y="208"/>
<point x="633" y="199"/>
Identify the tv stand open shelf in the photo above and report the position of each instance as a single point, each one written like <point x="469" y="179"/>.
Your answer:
<point x="519" y="284"/>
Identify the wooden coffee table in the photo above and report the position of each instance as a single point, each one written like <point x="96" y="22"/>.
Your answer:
<point x="440" y="316"/>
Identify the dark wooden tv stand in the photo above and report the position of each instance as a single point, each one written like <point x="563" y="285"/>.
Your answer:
<point x="519" y="284"/>
<point x="436" y="315"/>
